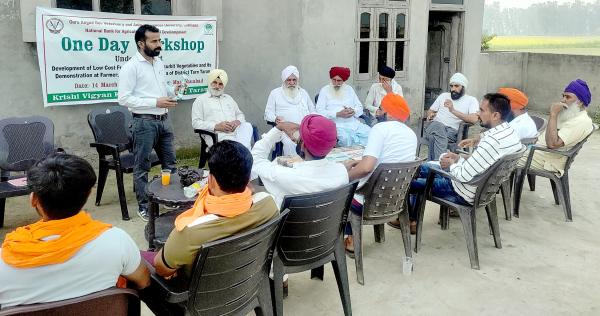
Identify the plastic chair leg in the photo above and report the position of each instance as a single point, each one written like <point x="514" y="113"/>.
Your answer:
<point x="277" y="286"/>
<point x="467" y="217"/>
<point x="355" y="222"/>
<point x="379" y="231"/>
<point x="505" y="189"/>
<point x="341" y="276"/>
<point x="317" y="273"/>
<point x="555" y="192"/>
<point x="122" y="198"/>
<point x="102" y="175"/>
<point x="405" y="229"/>
<point x="2" y="209"/>
<point x="531" y="180"/>
<point x="492" y="216"/>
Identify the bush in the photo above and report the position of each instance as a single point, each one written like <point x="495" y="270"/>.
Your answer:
<point x="485" y="41"/>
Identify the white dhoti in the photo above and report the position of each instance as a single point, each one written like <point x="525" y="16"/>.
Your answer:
<point x="242" y="134"/>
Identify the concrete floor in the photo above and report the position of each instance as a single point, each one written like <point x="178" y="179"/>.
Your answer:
<point x="546" y="266"/>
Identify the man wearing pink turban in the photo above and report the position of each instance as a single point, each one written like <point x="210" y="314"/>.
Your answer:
<point x="338" y="102"/>
<point x="317" y="136"/>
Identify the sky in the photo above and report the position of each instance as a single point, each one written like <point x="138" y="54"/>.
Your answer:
<point x="526" y="3"/>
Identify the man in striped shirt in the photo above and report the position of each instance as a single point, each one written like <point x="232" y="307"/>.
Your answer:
<point x="499" y="140"/>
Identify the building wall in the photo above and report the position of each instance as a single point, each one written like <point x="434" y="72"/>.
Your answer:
<point x="255" y="45"/>
<point x="542" y="77"/>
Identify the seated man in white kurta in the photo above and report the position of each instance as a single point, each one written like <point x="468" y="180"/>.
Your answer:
<point x="377" y="91"/>
<point x="338" y="102"/>
<point x="217" y="112"/>
<point x="288" y="103"/>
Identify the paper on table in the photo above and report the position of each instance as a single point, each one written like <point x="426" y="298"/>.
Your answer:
<point x="18" y="182"/>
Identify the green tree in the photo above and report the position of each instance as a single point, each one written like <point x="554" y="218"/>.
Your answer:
<point x="485" y="41"/>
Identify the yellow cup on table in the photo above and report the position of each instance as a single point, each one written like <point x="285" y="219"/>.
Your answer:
<point x="165" y="176"/>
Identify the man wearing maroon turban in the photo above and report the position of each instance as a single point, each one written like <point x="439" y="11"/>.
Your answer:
<point x="337" y="101"/>
<point x="317" y="136"/>
<point x="568" y="124"/>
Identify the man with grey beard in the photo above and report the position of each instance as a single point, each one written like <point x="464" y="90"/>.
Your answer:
<point x="568" y="124"/>
<point x="217" y="112"/>
<point x="288" y="103"/>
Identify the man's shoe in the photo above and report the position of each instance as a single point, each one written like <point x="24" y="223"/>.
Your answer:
<point x="285" y="288"/>
<point x="143" y="214"/>
<point x="413" y="227"/>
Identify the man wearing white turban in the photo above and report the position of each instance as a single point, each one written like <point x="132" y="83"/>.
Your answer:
<point x="217" y="112"/>
<point x="288" y="103"/>
<point x="445" y="115"/>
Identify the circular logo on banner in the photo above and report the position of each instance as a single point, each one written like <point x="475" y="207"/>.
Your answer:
<point x="54" y="25"/>
<point x="208" y="29"/>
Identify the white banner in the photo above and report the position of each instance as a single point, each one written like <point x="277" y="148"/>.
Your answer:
<point x="81" y="52"/>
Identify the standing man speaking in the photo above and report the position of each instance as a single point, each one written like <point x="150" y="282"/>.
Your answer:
<point x="143" y="89"/>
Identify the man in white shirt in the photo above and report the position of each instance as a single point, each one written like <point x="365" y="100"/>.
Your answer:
<point x="446" y="114"/>
<point x="143" y="89"/>
<point x="377" y="91"/>
<point x="66" y="254"/>
<point x="288" y="103"/>
<point x="217" y="112"/>
<point x="338" y="102"/>
<point x="521" y="122"/>
<point x="314" y="174"/>
<point x="389" y="142"/>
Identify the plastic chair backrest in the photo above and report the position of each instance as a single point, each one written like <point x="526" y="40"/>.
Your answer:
<point x="112" y="301"/>
<point x="493" y="178"/>
<point x="387" y="188"/>
<point x="228" y="272"/>
<point x="314" y="224"/>
<point x="111" y="126"/>
<point x="24" y="141"/>
<point x="575" y="150"/>
<point x="540" y="123"/>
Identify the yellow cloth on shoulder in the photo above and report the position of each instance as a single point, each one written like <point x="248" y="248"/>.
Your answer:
<point x="34" y="246"/>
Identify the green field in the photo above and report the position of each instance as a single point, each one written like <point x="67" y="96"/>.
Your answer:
<point x="575" y="45"/>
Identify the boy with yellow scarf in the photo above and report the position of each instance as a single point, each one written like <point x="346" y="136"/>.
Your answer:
<point x="66" y="254"/>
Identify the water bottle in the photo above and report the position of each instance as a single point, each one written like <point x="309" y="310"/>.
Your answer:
<point x="192" y="190"/>
<point x="182" y="87"/>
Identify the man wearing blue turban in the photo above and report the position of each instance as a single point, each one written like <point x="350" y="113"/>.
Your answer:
<point x="568" y="124"/>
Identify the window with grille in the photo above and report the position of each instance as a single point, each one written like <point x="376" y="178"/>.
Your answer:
<point x="382" y="37"/>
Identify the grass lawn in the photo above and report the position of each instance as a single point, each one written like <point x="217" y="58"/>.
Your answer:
<point x="575" y="45"/>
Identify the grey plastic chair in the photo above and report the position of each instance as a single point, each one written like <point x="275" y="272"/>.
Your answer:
<point x="231" y="275"/>
<point x="213" y="136"/>
<point x="463" y="133"/>
<point x="488" y="184"/>
<point x="560" y="184"/>
<point x="385" y="195"/>
<point x="312" y="236"/>
<point x="112" y="301"/>
<point x="23" y="142"/>
<point x="507" y="187"/>
<point x="113" y="141"/>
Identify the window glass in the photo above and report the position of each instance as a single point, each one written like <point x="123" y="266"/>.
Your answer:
<point x="365" y="25"/>
<point x="399" y="58"/>
<point x="400" y="25"/>
<point x="74" y="4"/>
<point x="383" y="25"/>
<point x="117" y="6"/>
<point x="156" y="7"/>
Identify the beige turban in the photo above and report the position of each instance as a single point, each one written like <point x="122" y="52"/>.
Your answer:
<point x="288" y="71"/>
<point x="217" y="73"/>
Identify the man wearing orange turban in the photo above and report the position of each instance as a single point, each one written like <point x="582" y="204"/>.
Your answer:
<point x="337" y="101"/>
<point x="391" y="141"/>
<point x="521" y="122"/>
